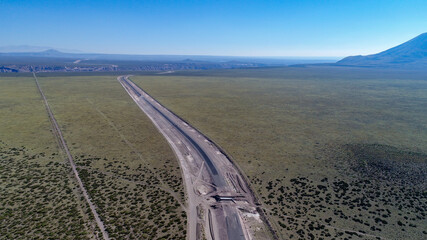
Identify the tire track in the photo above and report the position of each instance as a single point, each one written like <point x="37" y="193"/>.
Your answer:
<point x="63" y="145"/>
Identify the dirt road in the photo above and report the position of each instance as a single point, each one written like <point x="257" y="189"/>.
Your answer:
<point x="63" y="145"/>
<point x="220" y="204"/>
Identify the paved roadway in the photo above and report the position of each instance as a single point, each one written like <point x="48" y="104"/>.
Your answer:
<point x="207" y="172"/>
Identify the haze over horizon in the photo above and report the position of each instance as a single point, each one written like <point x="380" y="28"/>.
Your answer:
<point x="222" y="28"/>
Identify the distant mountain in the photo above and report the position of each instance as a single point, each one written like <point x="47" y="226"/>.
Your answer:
<point x="30" y="48"/>
<point x="47" y="53"/>
<point x="411" y="54"/>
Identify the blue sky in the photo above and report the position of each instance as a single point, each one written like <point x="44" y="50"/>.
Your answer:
<point x="236" y="28"/>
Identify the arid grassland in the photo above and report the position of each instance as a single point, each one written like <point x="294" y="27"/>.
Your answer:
<point x="38" y="196"/>
<point x="333" y="153"/>
<point x="127" y="167"/>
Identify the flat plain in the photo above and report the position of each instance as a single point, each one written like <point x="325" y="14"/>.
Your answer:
<point x="38" y="195"/>
<point x="127" y="167"/>
<point x="333" y="153"/>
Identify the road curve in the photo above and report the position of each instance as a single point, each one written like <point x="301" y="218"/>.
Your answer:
<point x="219" y="202"/>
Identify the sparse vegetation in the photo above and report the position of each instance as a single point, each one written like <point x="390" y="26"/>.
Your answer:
<point x="323" y="166"/>
<point x="126" y="165"/>
<point x="38" y="195"/>
<point x="333" y="153"/>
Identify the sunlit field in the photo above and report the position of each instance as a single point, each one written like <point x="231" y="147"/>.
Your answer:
<point x="331" y="152"/>
<point x="127" y="167"/>
<point x="38" y="197"/>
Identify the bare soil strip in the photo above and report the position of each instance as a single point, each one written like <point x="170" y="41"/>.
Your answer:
<point x="64" y="147"/>
<point x="213" y="183"/>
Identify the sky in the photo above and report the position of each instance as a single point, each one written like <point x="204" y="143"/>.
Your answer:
<point x="299" y="28"/>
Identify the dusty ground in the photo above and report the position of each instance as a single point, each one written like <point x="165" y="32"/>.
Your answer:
<point x="208" y="173"/>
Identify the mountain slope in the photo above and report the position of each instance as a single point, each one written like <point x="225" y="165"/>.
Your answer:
<point x="412" y="53"/>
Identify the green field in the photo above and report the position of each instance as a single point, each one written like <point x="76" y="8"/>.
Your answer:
<point x="38" y="195"/>
<point x="127" y="167"/>
<point x="331" y="152"/>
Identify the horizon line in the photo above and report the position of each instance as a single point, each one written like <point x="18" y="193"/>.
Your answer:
<point x="167" y="54"/>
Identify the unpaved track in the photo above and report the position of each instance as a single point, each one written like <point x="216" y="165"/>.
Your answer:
<point x="64" y="147"/>
<point x="218" y="198"/>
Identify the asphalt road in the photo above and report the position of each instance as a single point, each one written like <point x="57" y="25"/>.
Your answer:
<point x="217" y="196"/>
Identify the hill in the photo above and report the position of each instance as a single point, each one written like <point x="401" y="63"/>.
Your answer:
<point x="411" y="54"/>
